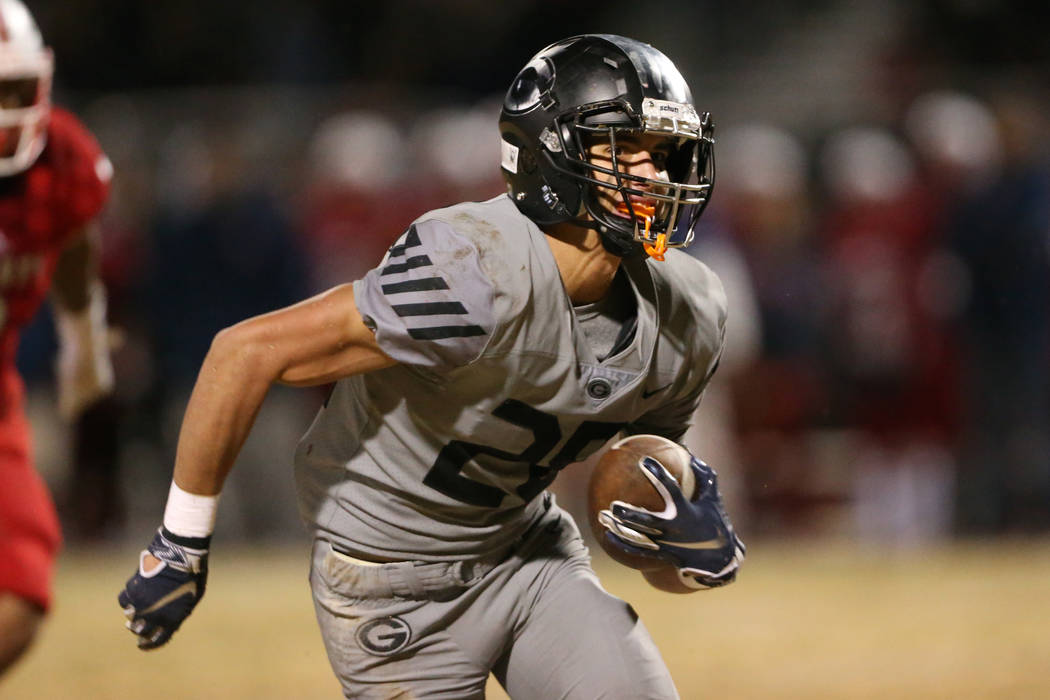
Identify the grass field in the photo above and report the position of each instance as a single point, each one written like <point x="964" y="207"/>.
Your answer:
<point x="805" y="620"/>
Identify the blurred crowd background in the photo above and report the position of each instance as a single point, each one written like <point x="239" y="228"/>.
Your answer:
<point x="881" y="221"/>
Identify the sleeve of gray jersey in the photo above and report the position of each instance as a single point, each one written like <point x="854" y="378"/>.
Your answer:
<point x="429" y="302"/>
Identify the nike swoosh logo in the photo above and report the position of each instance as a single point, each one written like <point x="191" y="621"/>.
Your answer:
<point x="646" y="394"/>
<point x="188" y="587"/>
<point x="716" y="543"/>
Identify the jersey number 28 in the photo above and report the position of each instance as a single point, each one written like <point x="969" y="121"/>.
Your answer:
<point x="445" y="475"/>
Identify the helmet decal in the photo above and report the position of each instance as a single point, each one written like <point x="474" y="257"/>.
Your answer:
<point x="531" y="86"/>
<point x="509" y="157"/>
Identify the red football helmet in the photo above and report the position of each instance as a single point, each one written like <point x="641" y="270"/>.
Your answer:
<point x="26" y="67"/>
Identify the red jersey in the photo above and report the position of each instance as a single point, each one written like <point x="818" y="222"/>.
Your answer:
<point x="40" y="210"/>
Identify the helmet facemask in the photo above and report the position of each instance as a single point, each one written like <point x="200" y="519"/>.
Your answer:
<point x="25" y="105"/>
<point x="677" y="199"/>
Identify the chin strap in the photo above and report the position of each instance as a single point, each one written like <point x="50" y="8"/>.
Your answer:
<point x="657" y="248"/>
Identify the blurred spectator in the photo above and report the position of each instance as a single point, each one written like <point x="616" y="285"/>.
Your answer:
<point x="363" y="168"/>
<point x="891" y="355"/>
<point x="458" y="151"/>
<point x="763" y="199"/>
<point x="353" y="203"/>
<point x="713" y="434"/>
<point x="956" y="137"/>
<point x="999" y="227"/>
<point x="223" y="249"/>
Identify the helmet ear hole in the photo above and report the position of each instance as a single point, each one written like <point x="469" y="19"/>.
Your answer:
<point x="531" y="87"/>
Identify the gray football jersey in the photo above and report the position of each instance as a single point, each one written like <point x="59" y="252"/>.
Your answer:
<point x="443" y="455"/>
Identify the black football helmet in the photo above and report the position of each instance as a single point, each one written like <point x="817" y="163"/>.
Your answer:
<point x="603" y="86"/>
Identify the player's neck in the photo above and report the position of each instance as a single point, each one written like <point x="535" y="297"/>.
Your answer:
<point x="586" y="268"/>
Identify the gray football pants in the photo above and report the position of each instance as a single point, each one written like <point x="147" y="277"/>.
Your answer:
<point x="539" y="620"/>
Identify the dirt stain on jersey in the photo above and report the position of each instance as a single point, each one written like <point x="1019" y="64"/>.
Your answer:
<point x="489" y="242"/>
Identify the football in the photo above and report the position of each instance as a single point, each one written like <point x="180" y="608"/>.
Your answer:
<point x="619" y="476"/>
<point x="666" y="579"/>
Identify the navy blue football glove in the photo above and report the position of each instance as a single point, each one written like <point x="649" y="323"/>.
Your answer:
<point x="695" y="536"/>
<point x="157" y="601"/>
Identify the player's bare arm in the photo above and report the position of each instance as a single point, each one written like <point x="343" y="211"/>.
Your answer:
<point x="20" y="619"/>
<point x="84" y="369"/>
<point x="76" y="270"/>
<point x="316" y="341"/>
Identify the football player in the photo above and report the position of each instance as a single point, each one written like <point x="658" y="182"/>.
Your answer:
<point x="53" y="182"/>
<point x="495" y="344"/>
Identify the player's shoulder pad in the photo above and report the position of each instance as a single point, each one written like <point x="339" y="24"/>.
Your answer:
<point x="75" y="157"/>
<point x="692" y="301"/>
<point x="498" y="234"/>
<point x="496" y="230"/>
<point x="440" y="292"/>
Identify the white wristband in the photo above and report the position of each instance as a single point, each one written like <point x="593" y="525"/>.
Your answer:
<point x="190" y="514"/>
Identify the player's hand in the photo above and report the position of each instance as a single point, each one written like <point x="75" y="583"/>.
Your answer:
<point x="166" y="587"/>
<point x="83" y="369"/>
<point x="695" y="536"/>
<point x="82" y="380"/>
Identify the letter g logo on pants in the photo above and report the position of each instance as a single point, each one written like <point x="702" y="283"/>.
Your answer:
<point x="384" y="636"/>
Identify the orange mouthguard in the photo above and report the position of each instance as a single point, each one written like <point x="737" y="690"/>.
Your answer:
<point x="657" y="249"/>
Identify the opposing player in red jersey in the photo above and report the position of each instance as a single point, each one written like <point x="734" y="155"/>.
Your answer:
<point x="53" y="182"/>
